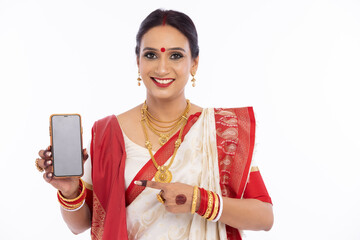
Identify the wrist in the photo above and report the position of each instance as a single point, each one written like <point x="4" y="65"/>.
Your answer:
<point x="73" y="201"/>
<point x="70" y="194"/>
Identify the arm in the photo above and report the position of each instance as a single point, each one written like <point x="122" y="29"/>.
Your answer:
<point x="78" y="221"/>
<point x="247" y="214"/>
<point x="254" y="211"/>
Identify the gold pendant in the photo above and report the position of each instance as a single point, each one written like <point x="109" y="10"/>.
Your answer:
<point x="163" y="175"/>
<point x="163" y="139"/>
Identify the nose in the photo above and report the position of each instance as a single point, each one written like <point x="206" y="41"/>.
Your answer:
<point x="162" y="68"/>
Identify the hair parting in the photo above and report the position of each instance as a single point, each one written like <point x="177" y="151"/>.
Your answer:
<point x="164" y="19"/>
<point x="178" y="20"/>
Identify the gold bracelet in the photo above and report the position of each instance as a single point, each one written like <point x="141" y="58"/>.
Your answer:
<point x="77" y="198"/>
<point x="72" y="209"/>
<point x="210" y="205"/>
<point x="73" y="206"/>
<point x="67" y="205"/>
<point x="195" y="196"/>
<point x="216" y="208"/>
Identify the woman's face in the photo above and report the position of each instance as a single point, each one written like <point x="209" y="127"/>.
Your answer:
<point x="165" y="62"/>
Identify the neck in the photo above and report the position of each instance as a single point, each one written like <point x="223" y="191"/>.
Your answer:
<point x="166" y="110"/>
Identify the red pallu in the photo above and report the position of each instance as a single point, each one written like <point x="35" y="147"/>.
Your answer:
<point x="235" y="140"/>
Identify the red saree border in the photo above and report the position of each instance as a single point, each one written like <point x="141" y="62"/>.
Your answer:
<point x="251" y="150"/>
<point x="97" y="225"/>
<point x="108" y="164"/>
<point x="235" y="138"/>
<point x="147" y="172"/>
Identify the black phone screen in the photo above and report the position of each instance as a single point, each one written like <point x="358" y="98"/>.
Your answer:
<point x="66" y="145"/>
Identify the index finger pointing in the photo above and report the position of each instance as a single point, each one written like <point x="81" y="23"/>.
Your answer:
<point x="151" y="184"/>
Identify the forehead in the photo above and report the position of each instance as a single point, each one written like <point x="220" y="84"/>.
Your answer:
<point x="164" y="36"/>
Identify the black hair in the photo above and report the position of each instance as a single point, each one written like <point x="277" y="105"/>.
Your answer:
<point x="176" y="19"/>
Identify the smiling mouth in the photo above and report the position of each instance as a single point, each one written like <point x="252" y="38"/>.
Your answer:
<point x="163" y="80"/>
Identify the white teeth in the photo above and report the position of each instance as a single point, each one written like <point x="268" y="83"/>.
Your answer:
<point x="163" y="81"/>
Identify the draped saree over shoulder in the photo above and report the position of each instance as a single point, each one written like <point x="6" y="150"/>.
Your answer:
<point x="225" y="153"/>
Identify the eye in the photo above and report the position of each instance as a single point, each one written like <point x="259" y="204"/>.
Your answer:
<point x="150" y="55"/>
<point x="176" y="56"/>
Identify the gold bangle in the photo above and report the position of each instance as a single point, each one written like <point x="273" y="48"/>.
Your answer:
<point x="67" y="205"/>
<point x="77" y="198"/>
<point x="216" y="207"/>
<point x="72" y="206"/>
<point x="210" y="205"/>
<point x="195" y="196"/>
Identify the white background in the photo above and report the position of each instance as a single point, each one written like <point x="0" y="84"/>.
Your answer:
<point x="296" y="62"/>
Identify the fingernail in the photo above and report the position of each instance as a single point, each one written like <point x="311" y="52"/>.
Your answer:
<point x="141" y="183"/>
<point x="48" y="154"/>
<point x="49" y="175"/>
<point x="48" y="163"/>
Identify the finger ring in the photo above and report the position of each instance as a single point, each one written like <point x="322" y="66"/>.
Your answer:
<point x="160" y="198"/>
<point x="40" y="169"/>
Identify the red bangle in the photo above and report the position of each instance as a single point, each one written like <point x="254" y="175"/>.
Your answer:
<point x="79" y="201"/>
<point x="73" y="203"/>
<point x="203" y="202"/>
<point x="70" y="203"/>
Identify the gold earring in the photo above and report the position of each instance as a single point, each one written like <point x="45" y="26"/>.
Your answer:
<point x="139" y="79"/>
<point x="193" y="80"/>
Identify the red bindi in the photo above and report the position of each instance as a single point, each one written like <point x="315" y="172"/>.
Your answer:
<point x="162" y="49"/>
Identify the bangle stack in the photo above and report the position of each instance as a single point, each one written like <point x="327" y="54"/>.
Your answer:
<point x="74" y="204"/>
<point x="211" y="204"/>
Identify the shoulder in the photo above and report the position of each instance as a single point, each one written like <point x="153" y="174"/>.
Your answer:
<point x="105" y="120"/>
<point x="195" y="109"/>
<point x="240" y="112"/>
<point x="128" y="118"/>
<point x="103" y="123"/>
<point x="102" y="127"/>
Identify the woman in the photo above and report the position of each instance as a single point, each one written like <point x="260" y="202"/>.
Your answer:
<point x="167" y="169"/>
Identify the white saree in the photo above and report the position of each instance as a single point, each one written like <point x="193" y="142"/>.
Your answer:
<point x="196" y="163"/>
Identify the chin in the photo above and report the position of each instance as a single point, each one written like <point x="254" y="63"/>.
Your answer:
<point x="164" y="95"/>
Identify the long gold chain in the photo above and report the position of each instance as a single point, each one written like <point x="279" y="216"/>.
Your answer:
<point x="163" y="174"/>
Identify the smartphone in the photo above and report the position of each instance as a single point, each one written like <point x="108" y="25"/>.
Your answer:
<point x="66" y="144"/>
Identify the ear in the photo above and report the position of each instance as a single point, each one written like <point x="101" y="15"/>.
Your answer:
<point x="137" y="61"/>
<point x="195" y="65"/>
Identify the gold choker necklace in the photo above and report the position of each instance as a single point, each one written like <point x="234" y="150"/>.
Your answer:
<point x="163" y="174"/>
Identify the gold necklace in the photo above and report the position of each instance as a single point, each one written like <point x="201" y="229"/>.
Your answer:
<point x="163" y="174"/>
<point x="165" y="131"/>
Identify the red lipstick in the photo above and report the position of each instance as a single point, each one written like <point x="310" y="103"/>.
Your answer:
<point x="163" y="82"/>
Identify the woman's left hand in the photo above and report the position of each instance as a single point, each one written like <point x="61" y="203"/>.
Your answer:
<point x="177" y="197"/>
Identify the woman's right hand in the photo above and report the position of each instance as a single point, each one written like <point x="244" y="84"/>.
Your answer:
<point x="68" y="186"/>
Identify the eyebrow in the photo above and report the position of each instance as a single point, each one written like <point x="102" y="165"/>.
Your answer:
<point x="171" y="49"/>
